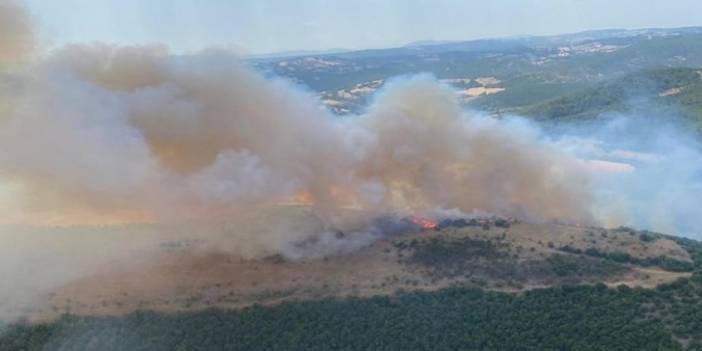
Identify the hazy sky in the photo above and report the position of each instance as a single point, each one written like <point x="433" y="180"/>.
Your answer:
<point x="258" y="26"/>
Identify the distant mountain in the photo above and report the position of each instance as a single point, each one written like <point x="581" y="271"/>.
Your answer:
<point x="428" y="43"/>
<point x="557" y="63"/>
<point x="494" y="44"/>
<point x="297" y="53"/>
<point x="678" y="90"/>
<point x="552" y="40"/>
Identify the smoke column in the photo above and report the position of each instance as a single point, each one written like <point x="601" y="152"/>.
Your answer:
<point x="100" y="134"/>
<point x="203" y="145"/>
<point x="16" y="42"/>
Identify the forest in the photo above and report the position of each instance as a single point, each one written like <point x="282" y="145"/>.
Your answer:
<point x="560" y="318"/>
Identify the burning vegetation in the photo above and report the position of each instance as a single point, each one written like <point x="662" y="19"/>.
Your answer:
<point x="424" y="223"/>
<point x="184" y="182"/>
<point x="140" y="135"/>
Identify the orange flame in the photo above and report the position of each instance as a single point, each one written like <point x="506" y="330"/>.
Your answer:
<point x="425" y="223"/>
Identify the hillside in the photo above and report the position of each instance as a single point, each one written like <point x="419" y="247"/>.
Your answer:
<point x="569" y="317"/>
<point x="246" y="175"/>
<point x="495" y="256"/>
<point x="677" y="91"/>
<point x="531" y="70"/>
<point x="480" y="274"/>
<point x="490" y="285"/>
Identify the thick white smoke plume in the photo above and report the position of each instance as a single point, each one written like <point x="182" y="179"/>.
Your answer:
<point x="98" y="133"/>
<point x="93" y="133"/>
<point x="16" y="41"/>
<point x="204" y="146"/>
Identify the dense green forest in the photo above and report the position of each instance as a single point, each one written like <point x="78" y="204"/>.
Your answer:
<point x="585" y="317"/>
<point x="563" y="318"/>
<point x="669" y="91"/>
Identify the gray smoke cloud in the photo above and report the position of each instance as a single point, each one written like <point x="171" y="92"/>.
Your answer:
<point x="205" y="149"/>
<point x="648" y="170"/>
<point x="16" y="41"/>
<point x="202" y="145"/>
<point x="135" y="131"/>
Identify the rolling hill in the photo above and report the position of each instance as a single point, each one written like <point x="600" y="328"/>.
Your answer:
<point x="498" y="284"/>
<point x="479" y="283"/>
<point x="676" y="91"/>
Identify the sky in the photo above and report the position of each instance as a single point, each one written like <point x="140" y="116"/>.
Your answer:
<point x="265" y="26"/>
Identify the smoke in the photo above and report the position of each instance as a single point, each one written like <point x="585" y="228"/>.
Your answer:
<point x="97" y="134"/>
<point x="646" y="170"/>
<point x="37" y="260"/>
<point x="16" y="41"/>
<point x="202" y="146"/>
<point x="136" y="133"/>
